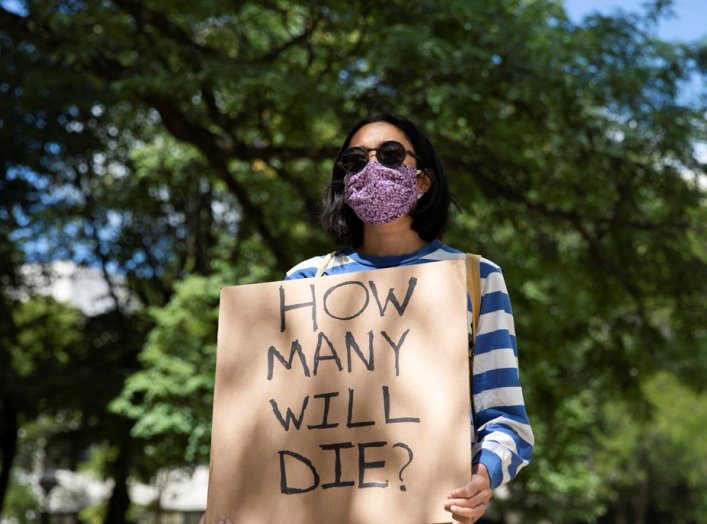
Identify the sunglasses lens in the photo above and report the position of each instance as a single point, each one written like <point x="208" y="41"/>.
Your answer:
<point x="391" y="154"/>
<point x="354" y="159"/>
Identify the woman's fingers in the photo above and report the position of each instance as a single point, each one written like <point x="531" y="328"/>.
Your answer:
<point x="462" y="511"/>
<point x="469" y="502"/>
<point x="482" y="497"/>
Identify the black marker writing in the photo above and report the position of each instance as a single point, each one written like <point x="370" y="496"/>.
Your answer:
<point x="284" y="308"/>
<point x="391" y="298"/>
<point x="325" y="413"/>
<point x="396" y="348"/>
<point x="295" y="349"/>
<point x="338" y="286"/>
<point x="289" y="416"/>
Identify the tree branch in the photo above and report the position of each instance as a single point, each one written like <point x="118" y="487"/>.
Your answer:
<point x="12" y="24"/>
<point x="543" y="208"/>
<point x="310" y="203"/>
<point x="142" y="14"/>
<point x="302" y="37"/>
<point x="253" y="213"/>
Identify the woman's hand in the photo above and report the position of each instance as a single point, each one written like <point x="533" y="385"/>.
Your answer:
<point x="468" y="503"/>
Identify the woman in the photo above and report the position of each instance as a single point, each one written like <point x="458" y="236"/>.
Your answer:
<point x="389" y="202"/>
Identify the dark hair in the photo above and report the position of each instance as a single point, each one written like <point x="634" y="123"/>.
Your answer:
<point x="431" y="213"/>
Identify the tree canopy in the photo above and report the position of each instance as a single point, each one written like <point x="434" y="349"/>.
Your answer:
<point x="186" y="146"/>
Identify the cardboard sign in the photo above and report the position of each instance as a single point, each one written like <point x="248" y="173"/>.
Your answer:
<point x="342" y="399"/>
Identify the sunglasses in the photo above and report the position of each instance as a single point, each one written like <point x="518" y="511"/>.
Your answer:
<point x="389" y="154"/>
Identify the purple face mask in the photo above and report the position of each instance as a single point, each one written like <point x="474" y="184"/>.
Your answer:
<point x="380" y="194"/>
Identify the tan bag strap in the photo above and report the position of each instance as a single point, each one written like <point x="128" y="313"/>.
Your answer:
<point x="473" y="286"/>
<point x="324" y="264"/>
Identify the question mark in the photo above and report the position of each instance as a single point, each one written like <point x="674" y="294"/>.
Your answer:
<point x="400" y="474"/>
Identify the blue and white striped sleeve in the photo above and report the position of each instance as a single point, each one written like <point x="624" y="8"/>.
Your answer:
<point x="503" y="439"/>
<point x="305" y="269"/>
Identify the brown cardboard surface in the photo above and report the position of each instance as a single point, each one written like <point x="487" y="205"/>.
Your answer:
<point x="396" y="437"/>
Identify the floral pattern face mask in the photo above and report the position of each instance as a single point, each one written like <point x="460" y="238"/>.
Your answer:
<point x="379" y="194"/>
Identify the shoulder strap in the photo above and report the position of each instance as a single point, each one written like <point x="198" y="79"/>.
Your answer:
<point x="324" y="264"/>
<point x="473" y="286"/>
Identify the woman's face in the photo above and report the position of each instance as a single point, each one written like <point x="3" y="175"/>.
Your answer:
<point x="371" y="136"/>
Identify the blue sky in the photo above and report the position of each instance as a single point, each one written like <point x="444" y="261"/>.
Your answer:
<point x="689" y="21"/>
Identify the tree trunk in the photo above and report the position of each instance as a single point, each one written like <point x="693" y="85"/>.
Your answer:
<point x="119" y="502"/>
<point x="8" y="445"/>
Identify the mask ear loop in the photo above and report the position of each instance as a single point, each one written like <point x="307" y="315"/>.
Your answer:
<point x="423" y="193"/>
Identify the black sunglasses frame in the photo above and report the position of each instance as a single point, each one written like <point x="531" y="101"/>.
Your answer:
<point x="365" y="152"/>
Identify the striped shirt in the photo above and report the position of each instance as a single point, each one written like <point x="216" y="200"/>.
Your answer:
<point x="503" y="439"/>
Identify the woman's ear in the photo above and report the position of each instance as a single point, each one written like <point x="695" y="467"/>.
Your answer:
<point x="424" y="180"/>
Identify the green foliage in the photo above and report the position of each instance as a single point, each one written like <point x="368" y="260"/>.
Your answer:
<point x="22" y="504"/>
<point x="39" y="357"/>
<point x="36" y="361"/>
<point x="172" y="395"/>
<point x="656" y="464"/>
<point x="54" y="332"/>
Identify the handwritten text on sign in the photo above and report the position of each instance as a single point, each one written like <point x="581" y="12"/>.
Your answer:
<point x="331" y="391"/>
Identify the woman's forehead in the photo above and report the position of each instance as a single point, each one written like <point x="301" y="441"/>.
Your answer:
<point x="374" y="134"/>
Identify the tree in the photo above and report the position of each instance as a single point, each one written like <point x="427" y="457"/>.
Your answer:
<point x="33" y="369"/>
<point x="207" y="129"/>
